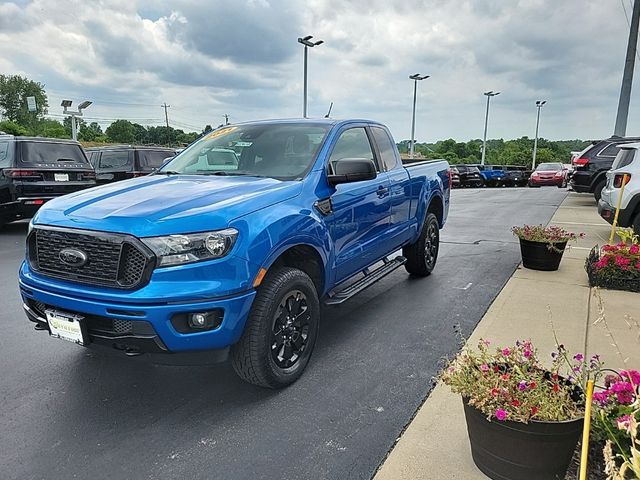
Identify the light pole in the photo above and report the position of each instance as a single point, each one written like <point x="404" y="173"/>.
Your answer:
<point x="66" y="104"/>
<point x="306" y="41"/>
<point x="415" y="77"/>
<point x="486" y="121"/>
<point x="539" y="104"/>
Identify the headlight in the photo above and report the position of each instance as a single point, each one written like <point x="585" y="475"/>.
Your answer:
<point x="193" y="247"/>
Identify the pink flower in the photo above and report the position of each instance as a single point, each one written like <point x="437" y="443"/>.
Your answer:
<point x="578" y="357"/>
<point x="527" y="353"/>
<point x="624" y="423"/>
<point x="506" y="352"/>
<point x="603" y="262"/>
<point x="634" y="249"/>
<point x="632" y="375"/>
<point x="622" y="261"/>
<point x="602" y="398"/>
<point x="484" y="367"/>
<point x="522" y="385"/>
<point x="501" y="414"/>
<point x="609" y="248"/>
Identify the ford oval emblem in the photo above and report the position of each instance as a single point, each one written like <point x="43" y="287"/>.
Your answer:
<point x="73" y="257"/>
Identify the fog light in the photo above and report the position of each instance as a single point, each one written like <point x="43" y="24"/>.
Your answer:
<point x="198" y="320"/>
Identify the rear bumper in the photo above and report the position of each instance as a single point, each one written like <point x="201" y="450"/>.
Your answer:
<point x="581" y="181"/>
<point x="608" y="212"/>
<point x="151" y="329"/>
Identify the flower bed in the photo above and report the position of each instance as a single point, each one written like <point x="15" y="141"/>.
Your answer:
<point x="615" y="267"/>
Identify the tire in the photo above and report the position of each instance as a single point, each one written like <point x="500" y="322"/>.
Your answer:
<point x="597" y="191"/>
<point x="636" y="224"/>
<point x="264" y="355"/>
<point x="422" y="255"/>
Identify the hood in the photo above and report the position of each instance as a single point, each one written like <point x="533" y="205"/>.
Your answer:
<point x="161" y="205"/>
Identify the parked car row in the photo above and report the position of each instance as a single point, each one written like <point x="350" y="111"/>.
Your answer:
<point x="475" y="175"/>
<point x="34" y="170"/>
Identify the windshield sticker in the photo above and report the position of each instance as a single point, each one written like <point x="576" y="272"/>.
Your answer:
<point x="222" y="131"/>
<point x="240" y="144"/>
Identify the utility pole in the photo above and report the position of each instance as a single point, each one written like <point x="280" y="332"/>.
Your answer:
<point x="627" y="78"/>
<point x="486" y="121"/>
<point x="226" y="118"/>
<point x="166" y="119"/>
<point x="539" y="104"/>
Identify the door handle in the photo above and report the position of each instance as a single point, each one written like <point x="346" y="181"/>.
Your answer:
<point x="382" y="191"/>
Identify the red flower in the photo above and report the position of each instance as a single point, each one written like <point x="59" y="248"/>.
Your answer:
<point x="494" y="392"/>
<point x="496" y="368"/>
<point x="505" y="376"/>
<point x="534" y="410"/>
<point x="533" y="385"/>
<point x="622" y="261"/>
<point x="556" y="388"/>
<point x="516" y="403"/>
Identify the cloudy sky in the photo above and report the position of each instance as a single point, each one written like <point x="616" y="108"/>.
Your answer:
<point x="241" y="57"/>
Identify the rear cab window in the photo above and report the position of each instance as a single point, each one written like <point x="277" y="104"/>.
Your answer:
<point x="149" y="160"/>
<point x="52" y="154"/>
<point x="386" y="148"/>
<point x="115" y="160"/>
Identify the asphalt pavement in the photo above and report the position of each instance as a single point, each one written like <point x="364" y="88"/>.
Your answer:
<point x="68" y="412"/>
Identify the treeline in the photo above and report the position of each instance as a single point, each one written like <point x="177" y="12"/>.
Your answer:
<point x="16" y="119"/>
<point x="499" y="152"/>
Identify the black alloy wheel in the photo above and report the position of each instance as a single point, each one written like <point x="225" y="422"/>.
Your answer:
<point x="290" y="331"/>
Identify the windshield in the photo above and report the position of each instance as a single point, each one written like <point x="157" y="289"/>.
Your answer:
<point x="51" y="153"/>
<point x="279" y="150"/>
<point x="549" y="167"/>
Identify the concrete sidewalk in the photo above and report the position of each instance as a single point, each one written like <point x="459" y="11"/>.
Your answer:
<point x="435" y="443"/>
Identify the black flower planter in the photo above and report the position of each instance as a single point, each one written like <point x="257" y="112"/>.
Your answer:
<point x="505" y="450"/>
<point x="538" y="255"/>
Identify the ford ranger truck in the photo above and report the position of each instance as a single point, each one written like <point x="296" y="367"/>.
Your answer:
<point x="217" y="256"/>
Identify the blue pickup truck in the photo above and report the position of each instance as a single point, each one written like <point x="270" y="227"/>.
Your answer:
<point x="229" y="248"/>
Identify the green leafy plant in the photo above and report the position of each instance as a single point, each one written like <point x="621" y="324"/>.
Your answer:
<point x="512" y="383"/>
<point x="550" y="235"/>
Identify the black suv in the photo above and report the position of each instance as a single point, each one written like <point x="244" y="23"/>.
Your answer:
<point x="516" y="175"/>
<point x="469" y="175"/>
<point x="590" y="168"/>
<point x="114" y="163"/>
<point x="34" y="170"/>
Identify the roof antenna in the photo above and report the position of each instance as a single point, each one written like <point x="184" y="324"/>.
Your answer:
<point x="329" y="112"/>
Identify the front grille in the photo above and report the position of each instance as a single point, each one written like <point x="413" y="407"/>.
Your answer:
<point x="113" y="260"/>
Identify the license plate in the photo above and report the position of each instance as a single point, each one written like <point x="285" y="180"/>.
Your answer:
<point x="66" y="326"/>
<point x="61" y="177"/>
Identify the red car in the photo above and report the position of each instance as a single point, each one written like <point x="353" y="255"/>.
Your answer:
<point x="549" y="174"/>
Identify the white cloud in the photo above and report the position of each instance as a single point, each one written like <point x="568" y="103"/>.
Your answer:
<point x="242" y="58"/>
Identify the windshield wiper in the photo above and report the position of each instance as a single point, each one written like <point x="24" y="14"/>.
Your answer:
<point x="168" y="172"/>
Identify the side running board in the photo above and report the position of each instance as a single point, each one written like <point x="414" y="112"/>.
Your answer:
<point x="370" y="277"/>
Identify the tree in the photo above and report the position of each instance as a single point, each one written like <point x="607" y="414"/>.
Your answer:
<point x="207" y="129"/>
<point x="12" y="128"/>
<point x="121" y="131"/>
<point x="51" y="129"/>
<point x="91" y="132"/>
<point x="14" y="90"/>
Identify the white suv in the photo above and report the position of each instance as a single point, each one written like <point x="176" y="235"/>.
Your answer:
<point x="627" y="162"/>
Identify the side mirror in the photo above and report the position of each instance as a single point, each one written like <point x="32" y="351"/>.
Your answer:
<point x="347" y="170"/>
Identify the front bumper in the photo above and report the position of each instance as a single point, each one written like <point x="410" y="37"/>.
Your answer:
<point x="151" y="328"/>
<point x="545" y="182"/>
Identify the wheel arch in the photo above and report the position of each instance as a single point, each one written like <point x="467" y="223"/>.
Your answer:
<point x="303" y="256"/>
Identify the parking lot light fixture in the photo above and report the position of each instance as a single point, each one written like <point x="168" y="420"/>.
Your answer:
<point x="415" y="77"/>
<point x="66" y="104"/>
<point x="539" y="104"/>
<point x="489" y="94"/>
<point x="307" y="42"/>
